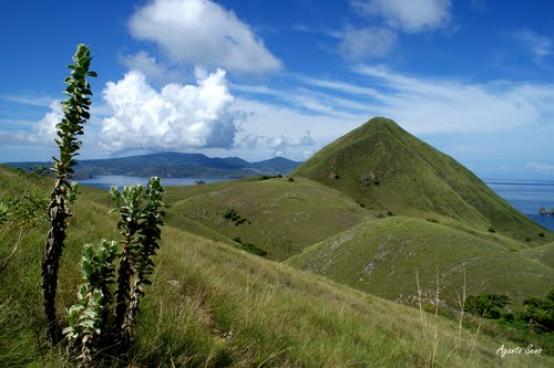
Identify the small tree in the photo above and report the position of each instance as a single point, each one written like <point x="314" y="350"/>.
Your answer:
<point x="76" y="112"/>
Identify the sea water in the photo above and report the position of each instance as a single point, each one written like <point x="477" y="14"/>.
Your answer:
<point x="528" y="196"/>
<point x="108" y="181"/>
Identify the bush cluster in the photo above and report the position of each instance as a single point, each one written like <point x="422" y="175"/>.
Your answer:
<point x="232" y="215"/>
<point x="487" y="306"/>
<point x="267" y="177"/>
<point x="249" y="247"/>
<point x="28" y="208"/>
<point x="537" y="312"/>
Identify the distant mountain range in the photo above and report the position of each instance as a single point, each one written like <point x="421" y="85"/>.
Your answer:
<point x="174" y="165"/>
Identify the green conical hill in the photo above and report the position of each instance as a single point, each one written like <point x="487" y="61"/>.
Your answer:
<point x="384" y="167"/>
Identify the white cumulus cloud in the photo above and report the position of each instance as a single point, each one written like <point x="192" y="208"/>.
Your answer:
<point x="151" y="68"/>
<point x="202" y="32"/>
<point x="46" y="127"/>
<point x="42" y="132"/>
<point x="178" y="117"/>
<point x="362" y="43"/>
<point x="407" y="15"/>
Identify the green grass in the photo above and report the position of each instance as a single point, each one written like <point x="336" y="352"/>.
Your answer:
<point x="211" y="305"/>
<point x="543" y="254"/>
<point x="386" y="168"/>
<point x="444" y="245"/>
<point x="280" y="217"/>
<point x="495" y="238"/>
<point x="381" y="257"/>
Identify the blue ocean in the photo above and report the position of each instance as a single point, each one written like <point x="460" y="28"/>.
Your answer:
<point x="108" y="181"/>
<point x="528" y="196"/>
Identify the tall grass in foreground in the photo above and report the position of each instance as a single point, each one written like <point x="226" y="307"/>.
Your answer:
<point x="211" y="305"/>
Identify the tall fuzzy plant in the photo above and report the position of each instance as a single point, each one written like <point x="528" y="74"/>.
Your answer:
<point x="148" y="243"/>
<point x="104" y="315"/>
<point x="76" y="113"/>
<point x="87" y="318"/>
<point x="127" y="204"/>
<point x="140" y="227"/>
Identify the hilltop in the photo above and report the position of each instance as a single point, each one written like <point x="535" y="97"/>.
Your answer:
<point x="212" y="305"/>
<point x="384" y="167"/>
<point x="173" y="165"/>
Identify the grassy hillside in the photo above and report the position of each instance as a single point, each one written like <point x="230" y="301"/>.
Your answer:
<point x="384" y="167"/>
<point x="381" y="257"/>
<point x="212" y="305"/>
<point x="543" y="254"/>
<point x="279" y="216"/>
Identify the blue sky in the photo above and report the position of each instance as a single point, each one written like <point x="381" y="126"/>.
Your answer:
<point x="256" y="79"/>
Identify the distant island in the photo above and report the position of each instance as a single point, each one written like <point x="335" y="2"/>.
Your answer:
<point x="546" y="212"/>
<point x="172" y="165"/>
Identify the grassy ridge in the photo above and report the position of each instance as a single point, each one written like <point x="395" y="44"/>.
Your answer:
<point x="384" y="167"/>
<point x="306" y="212"/>
<point x="381" y="257"/>
<point x="280" y="217"/>
<point x="543" y="254"/>
<point x="212" y="305"/>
